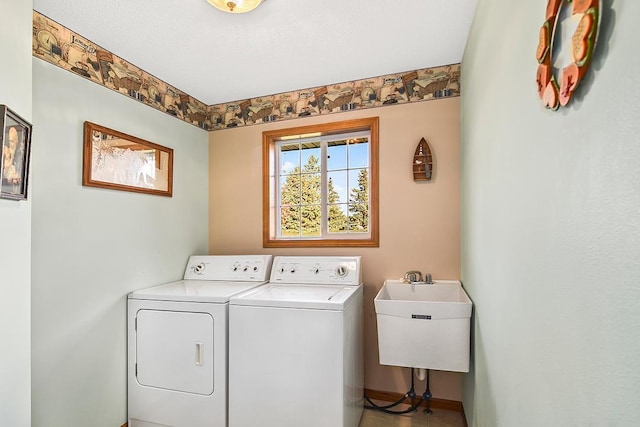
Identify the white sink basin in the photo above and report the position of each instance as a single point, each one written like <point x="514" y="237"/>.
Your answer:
<point x="424" y="325"/>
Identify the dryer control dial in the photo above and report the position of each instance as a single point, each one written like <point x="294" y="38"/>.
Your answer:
<point x="199" y="268"/>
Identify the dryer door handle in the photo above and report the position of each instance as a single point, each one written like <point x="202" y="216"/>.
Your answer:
<point x="199" y="351"/>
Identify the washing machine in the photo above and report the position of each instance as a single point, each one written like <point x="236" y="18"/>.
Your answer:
<point x="177" y="342"/>
<point x="295" y="346"/>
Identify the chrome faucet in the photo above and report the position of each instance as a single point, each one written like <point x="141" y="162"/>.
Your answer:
<point x="414" y="276"/>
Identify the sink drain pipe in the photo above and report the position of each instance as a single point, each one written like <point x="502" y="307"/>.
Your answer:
<point x="410" y="395"/>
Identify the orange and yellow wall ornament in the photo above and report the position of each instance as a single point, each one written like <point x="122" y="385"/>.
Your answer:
<point x="557" y="91"/>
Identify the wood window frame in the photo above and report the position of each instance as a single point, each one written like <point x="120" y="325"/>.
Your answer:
<point x="269" y="183"/>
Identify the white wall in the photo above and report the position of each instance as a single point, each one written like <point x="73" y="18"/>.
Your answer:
<point x="15" y="227"/>
<point x="92" y="246"/>
<point x="551" y="226"/>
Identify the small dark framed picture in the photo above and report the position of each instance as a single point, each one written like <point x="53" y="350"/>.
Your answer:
<point x="15" y="138"/>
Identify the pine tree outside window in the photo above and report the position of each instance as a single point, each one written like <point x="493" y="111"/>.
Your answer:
<point x="320" y="185"/>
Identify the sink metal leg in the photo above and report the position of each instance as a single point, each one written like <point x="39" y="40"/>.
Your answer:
<point x="426" y="396"/>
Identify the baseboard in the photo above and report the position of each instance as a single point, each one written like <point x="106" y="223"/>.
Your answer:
<point x="388" y="396"/>
<point x="464" y="418"/>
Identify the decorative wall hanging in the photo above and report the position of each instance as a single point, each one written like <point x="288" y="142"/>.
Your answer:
<point x="586" y="13"/>
<point x="15" y="140"/>
<point x="422" y="162"/>
<point x="119" y="161"/>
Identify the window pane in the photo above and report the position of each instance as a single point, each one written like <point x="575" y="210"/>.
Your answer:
<point x="290" y="190"/>
<point x="337" y="218"/>
<point x="337" y="187"/>
<point x="289" y="158"/>
<point x="311" y="157"/>
<point x="337" y="155"/>
<point x="358" y="217"/>
<point x="310" y="221"/>
<point x="310" y="189"/>
<point x="359" y="186"/>
<point x="358" y="153"/>
<point x="290" y="221"/>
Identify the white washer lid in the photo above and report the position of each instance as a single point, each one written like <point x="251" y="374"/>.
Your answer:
<point x="195" y="291"/>
<point x="321" y="297"/>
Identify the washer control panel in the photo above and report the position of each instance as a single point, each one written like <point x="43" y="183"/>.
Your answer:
<point x="244" y="268"/>
<point x="321" y="270"/>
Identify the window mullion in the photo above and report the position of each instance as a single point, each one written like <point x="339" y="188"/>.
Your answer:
<point x="324" y="217"/>
<point x="348" y="189"/>
<point x="278" y="195"/>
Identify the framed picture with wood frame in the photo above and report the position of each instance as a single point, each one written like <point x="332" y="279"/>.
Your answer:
<point x="117" y="161"/>
<point x="15" y="138"/>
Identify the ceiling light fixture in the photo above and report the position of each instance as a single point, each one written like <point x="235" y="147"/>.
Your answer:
<point x="235" y="6"/>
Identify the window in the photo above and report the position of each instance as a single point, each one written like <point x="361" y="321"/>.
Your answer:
<point x="320" y="185"/>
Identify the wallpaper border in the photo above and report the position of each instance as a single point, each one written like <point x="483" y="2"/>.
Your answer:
<point x="58" y="45"/>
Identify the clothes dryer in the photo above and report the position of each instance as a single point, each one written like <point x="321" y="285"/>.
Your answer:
<point x="177" y="342"/>
<point x="295" y="346"/>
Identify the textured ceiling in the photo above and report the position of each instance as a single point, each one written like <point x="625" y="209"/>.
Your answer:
<point x="281" y="46"/>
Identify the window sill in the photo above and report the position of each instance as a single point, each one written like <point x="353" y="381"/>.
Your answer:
<point x="321" y="243"/>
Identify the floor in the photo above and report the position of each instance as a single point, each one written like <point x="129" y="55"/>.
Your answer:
<point x="439" y="418"/>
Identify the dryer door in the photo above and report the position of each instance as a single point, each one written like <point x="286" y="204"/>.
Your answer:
<point x="174" y="350"/>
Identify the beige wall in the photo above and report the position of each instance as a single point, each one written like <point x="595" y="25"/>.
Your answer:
<point x="419" y="222"/>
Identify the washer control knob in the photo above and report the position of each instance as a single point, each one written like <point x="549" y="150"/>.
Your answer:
<point x="316" y="270"/>
<point x="341" y="271"/>
<point x="282" y="269"/>
<point x="293" y="269"/>
<point x="245" y="268"/>
<point x="255" y="268"/>
<point x="199" y="268"/>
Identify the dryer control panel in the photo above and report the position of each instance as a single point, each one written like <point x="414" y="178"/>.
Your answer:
<point x="321" y="270"/>
<point x="229" y="267"/>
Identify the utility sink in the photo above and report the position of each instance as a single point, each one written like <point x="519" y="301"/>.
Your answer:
<point x="424" y="325"/>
